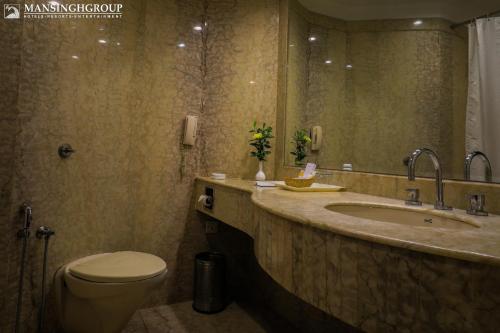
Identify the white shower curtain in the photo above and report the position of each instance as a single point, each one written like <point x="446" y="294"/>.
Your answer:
<point x="483" y="101"/>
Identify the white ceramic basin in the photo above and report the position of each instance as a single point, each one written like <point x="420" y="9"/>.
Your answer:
<point x="405" y="216"/>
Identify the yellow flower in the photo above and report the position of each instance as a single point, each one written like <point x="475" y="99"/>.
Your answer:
<point x="257" y="136"/>
<point x="307" y="138"/>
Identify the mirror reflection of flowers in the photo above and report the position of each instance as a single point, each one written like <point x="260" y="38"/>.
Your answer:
<point x="300" y="139"/>
<point x="260" y="141"/>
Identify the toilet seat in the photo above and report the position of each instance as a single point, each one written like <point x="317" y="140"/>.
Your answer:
<point x="101" y="292"/>
<point x="123" y="266"/>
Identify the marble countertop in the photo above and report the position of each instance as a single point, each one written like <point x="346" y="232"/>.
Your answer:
<point x="480" y="244"/>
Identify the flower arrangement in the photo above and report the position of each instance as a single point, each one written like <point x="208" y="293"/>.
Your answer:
<point x="300" y="139"/>
<point x="260" y="141"/>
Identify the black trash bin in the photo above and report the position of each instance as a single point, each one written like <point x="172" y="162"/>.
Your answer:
<point x="209" y="282"/>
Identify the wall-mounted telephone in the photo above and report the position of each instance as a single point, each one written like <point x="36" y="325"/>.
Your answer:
<point x="316" y="137"/>
<point x="190" y="127"/>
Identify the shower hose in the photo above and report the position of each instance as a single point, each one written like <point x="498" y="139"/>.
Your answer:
<point x="25" y="235"/>
<point x="45" y="233"/>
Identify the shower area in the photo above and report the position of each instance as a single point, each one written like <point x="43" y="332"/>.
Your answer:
<point x="483" y="102"/>
<point x="117" y="91"/>
<point x="110" y="90"/>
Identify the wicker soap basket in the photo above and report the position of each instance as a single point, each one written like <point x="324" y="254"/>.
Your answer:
<point x="299" y="182"/>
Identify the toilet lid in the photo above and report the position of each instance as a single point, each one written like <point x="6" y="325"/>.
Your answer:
<point x="124" y="266"/>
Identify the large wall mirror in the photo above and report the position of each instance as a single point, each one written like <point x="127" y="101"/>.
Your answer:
<point x="376" y="79"/>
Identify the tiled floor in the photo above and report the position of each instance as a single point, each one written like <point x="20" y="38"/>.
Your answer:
<point x="181" y="318"/>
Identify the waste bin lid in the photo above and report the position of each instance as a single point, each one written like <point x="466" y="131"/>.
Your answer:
<point x="210" y="256"/>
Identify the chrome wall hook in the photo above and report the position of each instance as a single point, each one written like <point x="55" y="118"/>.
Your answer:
<point x="65" y="150"/>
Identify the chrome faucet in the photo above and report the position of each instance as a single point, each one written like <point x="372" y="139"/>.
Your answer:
<point x="439" y="175"/>
<point x="468" y="162"/>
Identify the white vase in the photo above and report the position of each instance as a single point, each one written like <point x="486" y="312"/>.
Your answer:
<point x="260" y="175"/>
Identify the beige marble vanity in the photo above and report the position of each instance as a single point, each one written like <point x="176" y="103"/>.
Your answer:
<point x="373" y="275"/>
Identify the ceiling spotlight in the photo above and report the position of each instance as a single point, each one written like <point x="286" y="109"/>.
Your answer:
<point x="418" y="22"/>
<point x="118" y="43"/>
<point x="252" y="82"/>
<point x="197" y="28"/>
<point x="312" y="39"/>
<point x="348" y="66"/>
<point x="102" y="41"/>
<point x="328" y="61"/>
<point x="75" y="57"/>
<point x="181" y="45"/>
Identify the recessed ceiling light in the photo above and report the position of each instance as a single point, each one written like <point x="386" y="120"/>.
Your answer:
<point x="292" y="45"/>
<point x="75" y="57"/>
<point x="418" y="22"/>
<point x="328" y="61"/>
<point x="312" y="38"/>
<point x="102" y="41"/>
<point x="118" y="43"/>
<point x="252" y="82"/>
<point x="198" y="28"/>
<point x="181" y="45"/>
<point x="348" y="66"/>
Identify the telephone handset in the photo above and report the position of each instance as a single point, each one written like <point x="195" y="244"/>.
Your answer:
<point x="316" y="137"/>
<point x="190" y="127"/>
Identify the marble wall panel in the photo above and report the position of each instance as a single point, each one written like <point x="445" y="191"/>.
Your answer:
<point x="10" y="44"/>
<point x="274" y="246"/>
<point x="246" y="212"/>
<point x="342" y="281"/>
<point x="309" y="265"/>
<point x="297" y="77"/>
<point x="241" y="82"/>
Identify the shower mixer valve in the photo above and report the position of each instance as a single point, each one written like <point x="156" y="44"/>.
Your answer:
<point x="44" y="232"/>
<point x="65" y="150"/>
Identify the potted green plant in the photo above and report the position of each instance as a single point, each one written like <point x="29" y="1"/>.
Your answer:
<point x="261" y="142"/>
<point x="300" y="140"/>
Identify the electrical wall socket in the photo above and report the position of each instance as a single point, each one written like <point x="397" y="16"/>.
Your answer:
<point x="211" y="226"/>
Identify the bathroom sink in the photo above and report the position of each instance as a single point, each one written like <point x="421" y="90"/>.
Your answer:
<point x="403" y="215"/>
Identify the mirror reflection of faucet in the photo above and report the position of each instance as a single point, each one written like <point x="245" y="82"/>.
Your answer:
<point x="476" y="205"/>
<point x="468" y="162"/>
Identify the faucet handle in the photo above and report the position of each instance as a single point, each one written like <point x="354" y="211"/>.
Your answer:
<point x="476" y="204"/>
<point x="413" y="195"/>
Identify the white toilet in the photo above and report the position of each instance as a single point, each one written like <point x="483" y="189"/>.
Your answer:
<point x="100" y="293"/>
